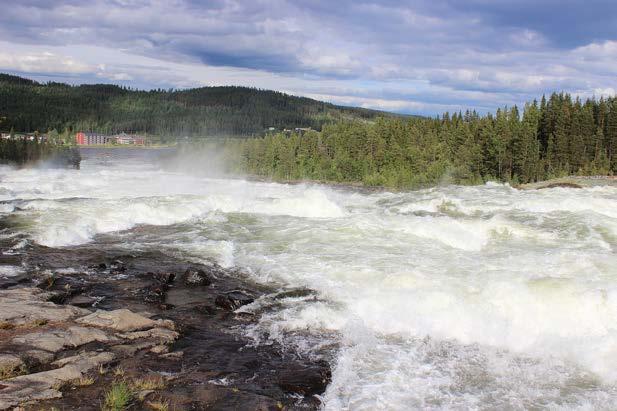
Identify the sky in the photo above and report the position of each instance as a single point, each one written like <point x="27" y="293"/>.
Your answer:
<point x="415" y="56"/>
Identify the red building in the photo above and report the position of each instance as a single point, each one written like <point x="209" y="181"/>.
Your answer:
<point x="91" y="139"/>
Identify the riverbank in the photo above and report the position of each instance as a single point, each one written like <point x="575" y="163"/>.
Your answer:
<point x="27" y="153"/>
<point x="167" y="329"/>
<point x="572" y="182"/>
<point x="148" y="147"/>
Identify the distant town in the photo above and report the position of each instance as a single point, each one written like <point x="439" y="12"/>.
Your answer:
<point x="84" y="138"/>
<point x="94" y="139"/>
<point x="81" y="138"/>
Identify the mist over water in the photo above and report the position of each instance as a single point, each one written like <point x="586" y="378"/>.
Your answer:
<point x="454" y="297"/>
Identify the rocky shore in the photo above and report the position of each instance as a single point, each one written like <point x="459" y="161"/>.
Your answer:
<point x="572" y="182"/>
<point x="140" y="331"/>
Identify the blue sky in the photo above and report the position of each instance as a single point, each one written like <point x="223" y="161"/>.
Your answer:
<point x="417" y="56"/>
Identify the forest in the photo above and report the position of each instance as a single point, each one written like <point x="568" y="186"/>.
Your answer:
<point x="557" y="136"/>
<point x="28" y="106"/>
<point x="23" y="152"/>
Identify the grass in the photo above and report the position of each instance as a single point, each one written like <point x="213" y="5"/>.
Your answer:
<point x="5" y="325"/>
<point x="158" y="405"/>
<point x="148" y="383"/>
<point x="119" y="372"/>
<point x="7" y="372"/>
<point x="118" y="397"/>
<point x="37" y="323"/>
<point x="83" y="381"/>
<point x="50" y="281"/>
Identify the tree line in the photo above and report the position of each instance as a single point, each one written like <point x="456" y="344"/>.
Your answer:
<point x="24" y="151"/>
<point x="556" y="137"/>
<point x="28" y="106"/>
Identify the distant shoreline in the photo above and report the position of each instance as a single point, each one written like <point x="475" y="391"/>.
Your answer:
<point x="106" y="146"/>
<point x="571" y="182"/>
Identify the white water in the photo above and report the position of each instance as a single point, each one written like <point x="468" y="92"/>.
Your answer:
<point x="450" y="298"/>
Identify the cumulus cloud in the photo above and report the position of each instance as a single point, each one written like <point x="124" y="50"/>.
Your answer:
<point x="419" y="56"/>
<point x="43" y="62"/>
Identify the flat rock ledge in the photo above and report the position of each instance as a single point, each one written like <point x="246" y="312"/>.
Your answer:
<point x="44" y="346"/>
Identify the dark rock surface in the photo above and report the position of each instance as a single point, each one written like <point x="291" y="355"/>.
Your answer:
<point x="196" y="278"/>
<point x="233" y="300"/>
<point x="306" y="380"/>
<point x="211" y="365"/>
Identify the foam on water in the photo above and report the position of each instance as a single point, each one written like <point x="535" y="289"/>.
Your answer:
<point x="7" y="271"/>
<point x="453" y="297"/>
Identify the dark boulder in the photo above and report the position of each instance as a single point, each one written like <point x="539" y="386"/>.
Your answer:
<point x="117" y="267"/>
<point x="13" y="281"/>
<point x="233" y="300"/>
<point x="82" y="301"/>
<point x="295" y="293"/>
<point x="155" y="294"/>
<point x="195" y="278"/>
<point x="306" y="380"/>
<point x="205" y="309"/>
<point x="164" y="278"/>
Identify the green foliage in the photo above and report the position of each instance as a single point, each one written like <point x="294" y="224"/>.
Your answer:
<point x="118" y="397"/>
<point x="208" y="111"/>
<point x="22" y="151"/>
<point x="556" y="138"/>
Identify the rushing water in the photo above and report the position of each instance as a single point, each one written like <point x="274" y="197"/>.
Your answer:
<point x="454" y="297"/>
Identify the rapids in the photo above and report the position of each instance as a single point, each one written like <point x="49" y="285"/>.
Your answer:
<point x="453" y="297"/>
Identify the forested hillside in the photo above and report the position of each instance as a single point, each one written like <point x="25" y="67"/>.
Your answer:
<point x="26" y="105"/>
<point x="556" y="137"/>
<point x="24" y="152"/>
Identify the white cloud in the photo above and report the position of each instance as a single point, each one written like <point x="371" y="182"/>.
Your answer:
<point x="386" y="55"/>
<point x="43" y="62"/>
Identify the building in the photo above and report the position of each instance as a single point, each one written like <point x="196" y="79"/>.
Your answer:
<point x="132" y="139"/>
<point x="92" y="139"/>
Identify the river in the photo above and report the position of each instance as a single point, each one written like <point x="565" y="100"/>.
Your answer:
<point x="447" y="298"/>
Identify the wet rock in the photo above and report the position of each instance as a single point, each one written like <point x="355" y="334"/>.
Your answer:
<point x="205" y="309"/>
<point x="233" y="300"/>
<point x="117" y="267"/>
<point x="295" y="293"/>
<point x="162" y="335"/>
<point x="122" y="320"/>
<point x="133" y="348"/>
<point x="164" y="278"/>
<point x="13" y="281"/>
<point x="196" y="278"/>
<point x="305" y="381"/>
<point x="225" y="398"/>
<point x="55" y="340"/>
<point x="159" y="349"/>
<point x="10" y="366"/>
<point x="155" y="293"/>
<point x="176" y="355"/>
<point x="44" y="385"/>
<point x="35" y="358"/>
<point x="82" y="301"/>
<point x="25" y="306"/>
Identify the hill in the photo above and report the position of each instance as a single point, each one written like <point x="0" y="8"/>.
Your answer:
<point x="27" y="105"/>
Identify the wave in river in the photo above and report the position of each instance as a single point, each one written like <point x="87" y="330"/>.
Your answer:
<point x="452" y="297"/>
